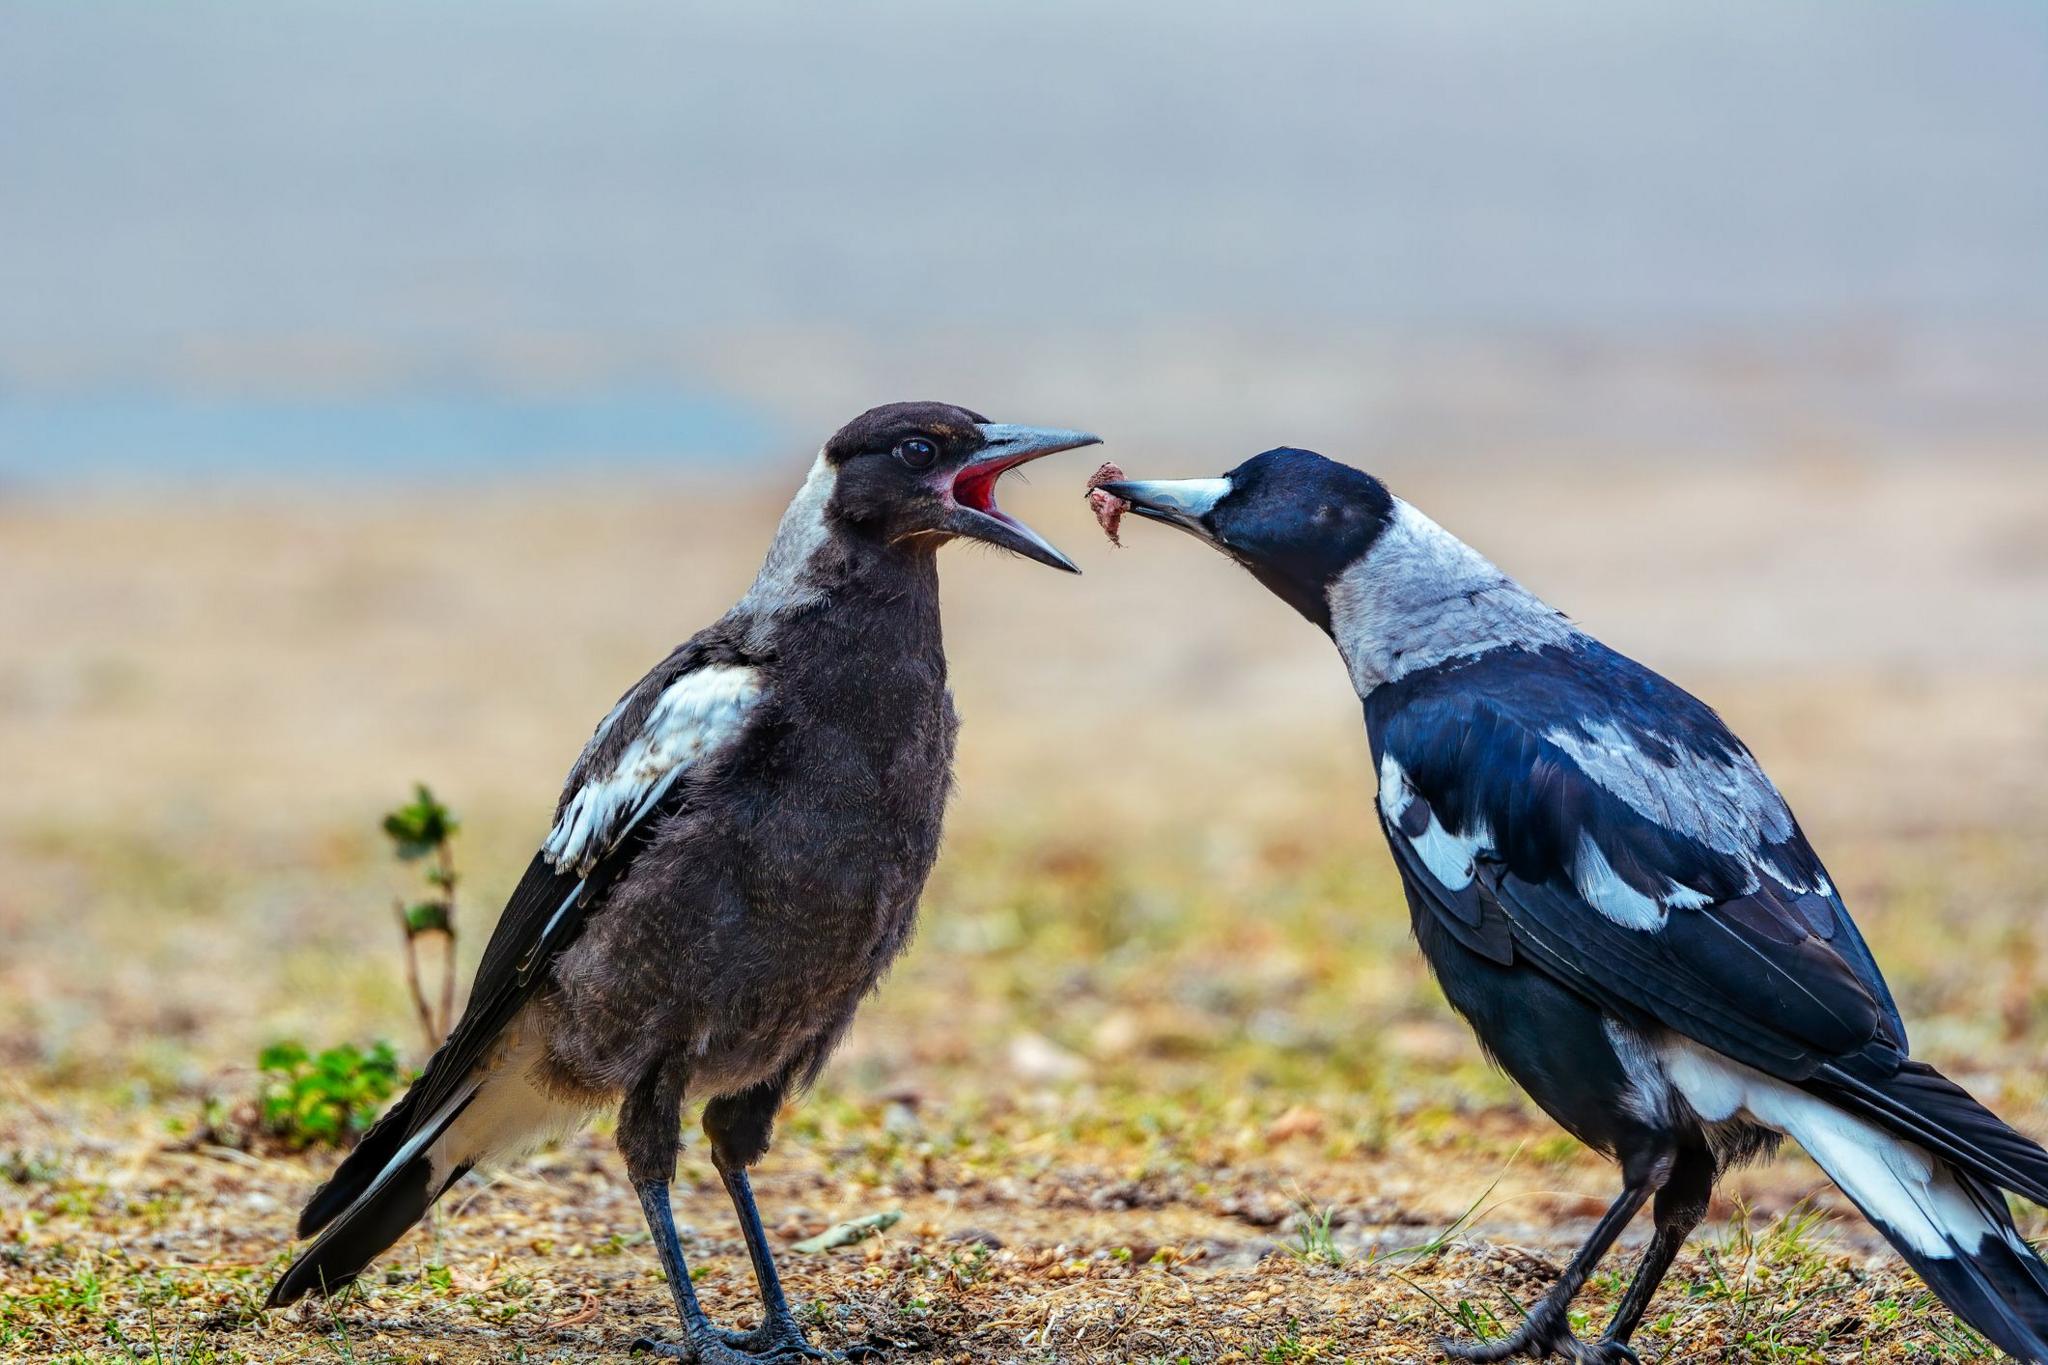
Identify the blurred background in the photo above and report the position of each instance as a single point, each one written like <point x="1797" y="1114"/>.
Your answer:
<point x="383" y="388"/>
<point x="544" y="239"/>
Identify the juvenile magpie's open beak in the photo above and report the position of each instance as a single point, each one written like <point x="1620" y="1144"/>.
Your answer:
<point x="974" y="512"/>
<point x="1185" y="503"/>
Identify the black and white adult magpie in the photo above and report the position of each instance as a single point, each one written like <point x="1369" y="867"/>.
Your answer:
<point x="736" y="858"/>
<point x="1614" y="895"/>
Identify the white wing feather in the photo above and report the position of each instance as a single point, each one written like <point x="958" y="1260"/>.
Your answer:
<point x="696" y="714"/>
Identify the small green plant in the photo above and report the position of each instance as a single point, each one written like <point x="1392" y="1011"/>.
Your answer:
<point x="324" y="1100"/>
<point x="24" y="1166"/>
<point x="1292" y="1345"/>
<point x="1315" y="1242"/>
<point x="976" y="1265"/>
<point x="422" y="830"/>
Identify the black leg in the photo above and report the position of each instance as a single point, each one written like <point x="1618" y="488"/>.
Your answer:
<point x="739" y="1127"/>
<point x="1680" y="1206"/>
<point x="1547" y="1329"/>
<point x="778" y="1336"/>
<point x="702" y="1343"/>
<point x="649" y="1136"/>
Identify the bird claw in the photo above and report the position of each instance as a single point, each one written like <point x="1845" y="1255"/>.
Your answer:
<point x="1537" y="1338"/>
<point x="784" y="1343"/>
<point x="1606" y="1351"/>
<point x="703" y="1351"/>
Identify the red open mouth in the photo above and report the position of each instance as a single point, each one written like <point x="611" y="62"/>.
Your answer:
<point x="975" y="486"/>
<point x="972" y="490"/>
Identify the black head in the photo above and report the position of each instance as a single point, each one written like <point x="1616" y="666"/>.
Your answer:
<point x="926" y="472"/>
<point x="1293" y="518"/>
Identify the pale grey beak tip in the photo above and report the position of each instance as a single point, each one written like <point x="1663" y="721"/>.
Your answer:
<point x="1180" y="502"/>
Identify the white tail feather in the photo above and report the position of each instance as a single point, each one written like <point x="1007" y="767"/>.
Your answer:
<point x="511" y="1115"/>
<point x="1897" y="1183"/>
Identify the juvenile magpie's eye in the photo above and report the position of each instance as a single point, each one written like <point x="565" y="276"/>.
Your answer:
<point x="917" y="452"/>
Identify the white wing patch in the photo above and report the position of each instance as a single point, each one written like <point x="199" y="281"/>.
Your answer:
<point x="1731" y="807"/>
<point x="1683" y="897"/>
<point x="1451" y="858"/>
<point x="1728" y="805"/>
<point x="1601" y="887"/>
<point x="700" y="711"/>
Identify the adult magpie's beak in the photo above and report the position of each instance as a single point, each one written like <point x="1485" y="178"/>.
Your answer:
<point x="1185" y="503"/>
<point x="974" y="513"/>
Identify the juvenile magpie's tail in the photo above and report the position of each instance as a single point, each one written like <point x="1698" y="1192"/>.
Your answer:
<point x="370" y="1203"/>
<point x="1928" y="1165"/>
<point x="409" y="1160"/>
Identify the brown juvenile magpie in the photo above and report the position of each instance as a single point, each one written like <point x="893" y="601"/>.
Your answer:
<point x="1615" y="896"/>
<point x="735" y="860"/>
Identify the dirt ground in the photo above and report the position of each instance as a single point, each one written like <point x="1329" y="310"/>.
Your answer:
<point x="1162" y="1078"/>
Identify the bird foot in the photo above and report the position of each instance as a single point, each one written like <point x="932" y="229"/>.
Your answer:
<point x="1606" y="1351"/>
<point x="1540" y="1336"/>
<point x="782" y="1342"/>
<point x="704" y="1350"/>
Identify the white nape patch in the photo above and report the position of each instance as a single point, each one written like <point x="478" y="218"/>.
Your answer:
<point x="1603" y="889"/>
<point x="1917" y="1199"/>
<point x="1648" y="1096"/>
<point x="700" y="711"/>
<point x="1420" y="597"/>
<point x="1731" y="807"/>
<point x="784" y="580"/>
<point x="1452" y="859"/>
<point x="513" y="1113"/>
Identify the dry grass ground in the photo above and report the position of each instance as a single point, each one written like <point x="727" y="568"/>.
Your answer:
<point x="1161" y="1079"/>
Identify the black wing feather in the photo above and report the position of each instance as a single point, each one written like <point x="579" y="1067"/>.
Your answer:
<point x="1724" y="928"/>
<point x="500" y="988"/>
<point x="543" y="916"/>
<point x="1771" y="975"/>
<point x="1713" y="981"/>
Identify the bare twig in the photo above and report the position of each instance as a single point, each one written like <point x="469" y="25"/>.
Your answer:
<point x="412" y="981"/>
<point x="446" y="857"/>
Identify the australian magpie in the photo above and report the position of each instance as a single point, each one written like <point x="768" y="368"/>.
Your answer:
<point x="735" y="859"/>
<point x="1618" y="900"/>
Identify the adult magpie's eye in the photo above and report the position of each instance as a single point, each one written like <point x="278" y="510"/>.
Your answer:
<point x="917" y="452"/>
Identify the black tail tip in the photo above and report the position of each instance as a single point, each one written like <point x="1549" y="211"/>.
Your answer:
<point x="359" y="1234"/>
<point x="302" y="1277"/>
<point x="1999" y="1287"/>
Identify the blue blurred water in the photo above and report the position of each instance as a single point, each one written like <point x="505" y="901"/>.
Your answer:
<point x="152" y="436"/>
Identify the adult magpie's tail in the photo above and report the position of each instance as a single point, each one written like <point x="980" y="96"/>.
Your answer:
<point x="1999" y="1287"/>
<point x="410" y="1158"/>
<point x="1927" y="1165"/>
